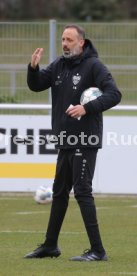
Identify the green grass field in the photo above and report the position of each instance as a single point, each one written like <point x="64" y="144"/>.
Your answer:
<point x="23" y="224"/>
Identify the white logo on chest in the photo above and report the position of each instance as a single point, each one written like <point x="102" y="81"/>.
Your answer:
<point x="76" y="79"/>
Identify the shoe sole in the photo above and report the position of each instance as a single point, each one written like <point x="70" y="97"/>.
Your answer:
<point x="89" y="260"/>
<point x="40" y="257"/>
<point x="78" y="260"/>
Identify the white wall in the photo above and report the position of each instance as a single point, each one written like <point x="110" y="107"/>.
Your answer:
<point x="116" y="163"/>
<point x="116" y="170"/>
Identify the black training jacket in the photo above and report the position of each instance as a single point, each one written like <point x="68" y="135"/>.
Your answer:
<point x="68" y="78"/>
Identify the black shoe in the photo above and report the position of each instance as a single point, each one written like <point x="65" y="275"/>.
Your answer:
<point x="43" y="251"/>
<point x="90" y="256"/>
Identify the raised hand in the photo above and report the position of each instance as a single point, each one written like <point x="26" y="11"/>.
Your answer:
<point x="36" y="57"/>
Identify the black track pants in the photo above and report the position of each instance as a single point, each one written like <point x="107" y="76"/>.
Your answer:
<point x="75" y="169"/>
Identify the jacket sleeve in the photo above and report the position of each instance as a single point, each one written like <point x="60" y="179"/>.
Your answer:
<point x="39" y="80"/>
<point x="111" y="95"/>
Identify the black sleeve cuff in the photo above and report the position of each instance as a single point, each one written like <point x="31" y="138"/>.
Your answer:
<point x="32" y="69"/>
<point x="88" y="107"/>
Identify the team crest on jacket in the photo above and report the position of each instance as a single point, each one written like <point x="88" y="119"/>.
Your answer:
<point x="76" y="79"/>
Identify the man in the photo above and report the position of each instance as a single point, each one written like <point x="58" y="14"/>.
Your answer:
<point x="74" y="126"/>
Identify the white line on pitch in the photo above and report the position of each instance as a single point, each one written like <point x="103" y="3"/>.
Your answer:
<point x="31" y="212"/>
<point x="27" y="231"/>
<point x="43" y="212"/>
<point x="124" y="273"/>
<point x="20" y="231"/>
<point x="9" y="198"/>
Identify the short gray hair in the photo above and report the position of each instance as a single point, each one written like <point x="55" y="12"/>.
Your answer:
<point x="79" y="29"/>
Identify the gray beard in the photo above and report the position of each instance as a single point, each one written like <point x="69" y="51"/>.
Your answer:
<point x="68" y="55"/>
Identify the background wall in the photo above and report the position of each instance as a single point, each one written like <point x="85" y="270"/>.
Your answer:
<point x="26" y="167"/>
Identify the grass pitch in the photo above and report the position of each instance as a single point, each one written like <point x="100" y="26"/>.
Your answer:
<point x="23" y="224"/>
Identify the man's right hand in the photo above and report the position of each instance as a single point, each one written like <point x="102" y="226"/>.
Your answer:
<point x="36" y="57"/>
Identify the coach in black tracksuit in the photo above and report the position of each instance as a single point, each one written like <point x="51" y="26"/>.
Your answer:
<point x="78" y="133"/>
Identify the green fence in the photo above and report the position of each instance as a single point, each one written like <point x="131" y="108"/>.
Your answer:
<point x="116" y="44"/>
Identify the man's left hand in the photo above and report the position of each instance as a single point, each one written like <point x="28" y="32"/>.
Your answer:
<point x="76" y="111"/>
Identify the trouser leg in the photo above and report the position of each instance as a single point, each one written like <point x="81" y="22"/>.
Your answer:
<point x="88" y="212"/>
<point x="61" y="189"/>
<point x="57" y="214"/>
<point x="83" y="171"/>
